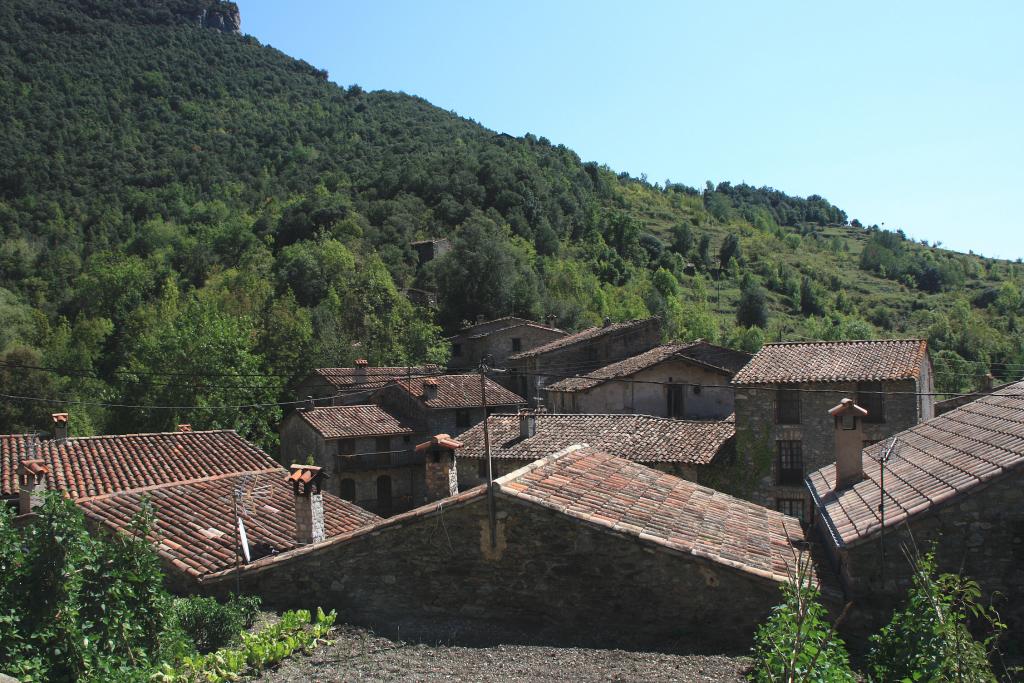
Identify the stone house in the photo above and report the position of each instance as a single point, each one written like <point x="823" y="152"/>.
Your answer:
<point x="368" y="452"/>
<point x="498" y="339"/>
<point x="689" y="381"/>
<point x="956" y="481"/>
<point x="688" y="449"/>
<point x="344" y="386"/>
<point x="191" y="479"/>
<point x="429" y="249"/>
<point x="446" y="404"/>
<point x="784" y="393"/>
<point x="579" y="548"/>
<point x="595" y="347"/>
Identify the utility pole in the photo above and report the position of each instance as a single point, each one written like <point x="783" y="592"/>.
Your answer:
<point x="491" y="511"/>
<point x="882" y="460"/>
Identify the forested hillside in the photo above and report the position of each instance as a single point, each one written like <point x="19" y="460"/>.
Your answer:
<point x="191" y="218"/>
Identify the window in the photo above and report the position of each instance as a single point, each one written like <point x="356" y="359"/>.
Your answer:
<point x="871" y="399"/>
<point x="481" y="469"/>
<point x="794" y="507"/>
<point x="675" y="400"/>
<point x="787" y="406"/>
<point x="789" y="470"/>
<point x="456" y="349"/>
<point x="462" y="419"/>
<point x="384" y="495"/>
<point x="382" y="444"/>
<point x="517" y="344"/>
<point x="347" y="490"/>
<point x="347" y="447"/>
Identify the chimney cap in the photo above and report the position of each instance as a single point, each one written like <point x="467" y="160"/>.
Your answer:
<point x="362" y="362"/>
<point x="185" y="427"/>
<point x="442" y="440"/>
<point x="847" y="405"/>
<point x="34" y="466"/>
<point x="60" y="418"/>
<point x="307" y="476"/>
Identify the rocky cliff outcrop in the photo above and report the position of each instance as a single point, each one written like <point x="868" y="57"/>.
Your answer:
<point x="223" y="16"/>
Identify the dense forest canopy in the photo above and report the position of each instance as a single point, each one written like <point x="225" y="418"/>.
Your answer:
<point x="191" y="218"/>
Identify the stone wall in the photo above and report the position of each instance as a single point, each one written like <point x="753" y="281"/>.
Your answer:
<point x="433" y="574"/>
<point x="499" y="345"/>
<point x="980" y="535"/>
<point x="708" y="395"/>
<point x="758" y="433"/>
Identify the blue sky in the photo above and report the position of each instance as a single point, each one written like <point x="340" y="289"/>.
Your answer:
<point x="907" y="113"/>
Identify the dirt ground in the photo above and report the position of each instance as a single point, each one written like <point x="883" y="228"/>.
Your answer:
<point x="360" y="655"/>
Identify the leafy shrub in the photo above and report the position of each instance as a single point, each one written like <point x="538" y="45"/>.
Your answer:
<point x="211" y="625"/>
<point x="258" y="650"/>
<point x="797" y="643"/>
<point x="929" y="640"/>
<point x="75" y="606"/>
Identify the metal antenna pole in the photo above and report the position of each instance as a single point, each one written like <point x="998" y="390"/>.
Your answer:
<point x="881" y="502"/>
<point x="491" y="512"/>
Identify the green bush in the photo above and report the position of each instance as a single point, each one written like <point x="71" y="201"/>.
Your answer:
<point x="211" y="625"/>
<point x="797" y="643"/>
<point x="929" y="640"/>
<point x="75" y="606"/>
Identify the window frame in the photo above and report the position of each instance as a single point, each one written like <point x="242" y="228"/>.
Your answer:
<point x="868" y="395"/>
<point x="791" y="450"/>
<point x="790" y="397"/>
<point x="463" y="418"/>
<point x="517" y="344"/>
<point x="786" y="505"/>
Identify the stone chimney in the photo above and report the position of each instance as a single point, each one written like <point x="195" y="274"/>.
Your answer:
<point x="527" y="423"/>
<point x="31" y="484"/>
<point x="429" y="389"/>
<point x="988" y="382"/>
<point x="184" y="427"/>
<point x="360" y="373"/>
<point x="60" y="426"/>
<point x="849" y="443"/>
<point x="551" y="319"/>
<point x="307" y="481"/>
<point x="440" y="473"/>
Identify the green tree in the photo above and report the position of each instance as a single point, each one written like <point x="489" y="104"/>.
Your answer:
<point x="682" y="238"/>
<point x="729" y="250"/>
<point x="752" y="309"/>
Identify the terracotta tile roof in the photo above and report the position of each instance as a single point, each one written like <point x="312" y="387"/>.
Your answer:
<point x="934" y="462"/>
<point x="460" y="391"/>
<point x="640" y="438"/>
<point x="700" y="352"/>
<point x="95" y="465"/>
<point x="589" y="334"/>
<point x="443" y="440"/>
<point x="488" y="327"/>
<point x="348" y="422"/>
<point x="616" y="494"/>
<point x="195" y="524"/>
<point x="344" y="378"/>
<point x="839" y="361"/>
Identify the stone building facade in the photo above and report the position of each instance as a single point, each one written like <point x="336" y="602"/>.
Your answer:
<point x="688" y="381"/>
<point x="497" y="340"/>
<point x="368" y="453"/>
<point x="954" y="483"/>
<point x="531" y="371"/>
<point x="783" y="397"/>
<point x="547" y="574"/>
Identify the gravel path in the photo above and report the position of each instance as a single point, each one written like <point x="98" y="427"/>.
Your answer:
<point x="360" y="655"/>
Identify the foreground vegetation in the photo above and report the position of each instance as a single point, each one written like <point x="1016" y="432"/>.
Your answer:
<point x="77" y="607"/>
<point x="191" y="220"/>
<point x="929" y="639"/>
